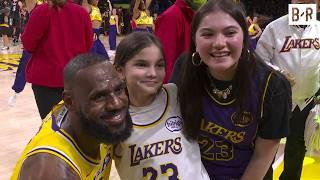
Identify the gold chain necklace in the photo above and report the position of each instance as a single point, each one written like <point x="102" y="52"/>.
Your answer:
<point x="222" y="94"/>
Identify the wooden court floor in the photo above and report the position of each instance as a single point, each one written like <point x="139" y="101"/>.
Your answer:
<point x="20" y="122"/>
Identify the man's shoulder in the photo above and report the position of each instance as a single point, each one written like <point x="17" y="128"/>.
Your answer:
<point x="42" y="7"/>
<point x="76" y="7"/>
<point x="172" y="12"/>
<point x="281" y="21"/>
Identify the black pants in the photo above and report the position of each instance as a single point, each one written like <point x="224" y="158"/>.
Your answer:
<point x="295" y="148"/>
<point x="46" y="98"/>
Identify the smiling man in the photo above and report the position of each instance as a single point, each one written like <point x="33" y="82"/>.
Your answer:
<point x="71" y="143"/>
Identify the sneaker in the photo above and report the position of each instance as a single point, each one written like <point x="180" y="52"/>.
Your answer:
<point x="12" y="100"/>
<point x="5" y="48"/>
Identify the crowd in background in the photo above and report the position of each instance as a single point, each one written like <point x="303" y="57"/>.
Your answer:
<point x="13" y="18"/>
<point x="13" y="15"/>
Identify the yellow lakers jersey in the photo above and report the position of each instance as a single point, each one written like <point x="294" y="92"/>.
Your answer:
<point x="95" y="14"/>
<point x="54" y="140"/>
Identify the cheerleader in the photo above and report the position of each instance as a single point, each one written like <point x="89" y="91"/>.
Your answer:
<point x="96" y="20"/>
<point x="254" y="31"/>
<point x="141" y="16"/>
<point x="114" y="28"/>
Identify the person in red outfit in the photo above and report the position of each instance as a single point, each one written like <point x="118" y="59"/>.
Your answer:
<point x="173" y="29"/>
<point x="56" y="32"/>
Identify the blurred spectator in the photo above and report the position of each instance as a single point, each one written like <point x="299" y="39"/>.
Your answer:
<point x="15" y="20"/>
<point x="4" y="23"/>
<point x="114" y="27"/>
<point x="52" y="45"/>
<point x="173" y="29"/>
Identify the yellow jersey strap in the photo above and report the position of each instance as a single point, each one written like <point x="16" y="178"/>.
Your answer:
<point x="267" y="83"/>
<point x="54" y="140"/>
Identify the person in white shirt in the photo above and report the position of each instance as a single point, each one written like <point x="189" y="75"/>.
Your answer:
<point x="294" y="50"/>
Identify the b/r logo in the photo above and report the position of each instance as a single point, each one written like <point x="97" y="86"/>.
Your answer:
<point x="302" y="14"/>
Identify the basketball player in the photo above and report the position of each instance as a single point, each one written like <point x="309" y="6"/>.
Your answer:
<point x="114" y="27"/>
<point x="156" y="149"/>
<point x="94" y="111"/>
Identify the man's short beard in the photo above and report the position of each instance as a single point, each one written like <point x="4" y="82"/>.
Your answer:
<point x="104" y="133"/>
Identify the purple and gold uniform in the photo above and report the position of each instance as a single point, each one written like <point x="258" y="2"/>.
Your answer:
<point x="227" y="137"/>
<point x="113" y="33"/>
<point x="52" y="139"/>
<point x="98" y="46"/>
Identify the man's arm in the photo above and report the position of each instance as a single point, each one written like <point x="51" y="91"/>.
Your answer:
<point x="46" y="166"/>
<point x="265" y="46"/>
<point x="266" y="49"/>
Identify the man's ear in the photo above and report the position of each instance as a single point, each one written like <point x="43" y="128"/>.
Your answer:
<point x="67" y="98"/>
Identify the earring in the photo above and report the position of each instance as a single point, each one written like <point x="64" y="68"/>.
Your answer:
<point x="193" y="61"/>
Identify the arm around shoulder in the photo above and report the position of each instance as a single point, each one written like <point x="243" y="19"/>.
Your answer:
<point x="266" y="44"/>
<point x="46" y="166"/>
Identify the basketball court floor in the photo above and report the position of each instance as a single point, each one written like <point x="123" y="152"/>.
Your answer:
<point x="18" y="123"/>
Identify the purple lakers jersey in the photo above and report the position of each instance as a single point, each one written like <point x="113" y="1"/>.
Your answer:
<point x="227" y="136"/>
